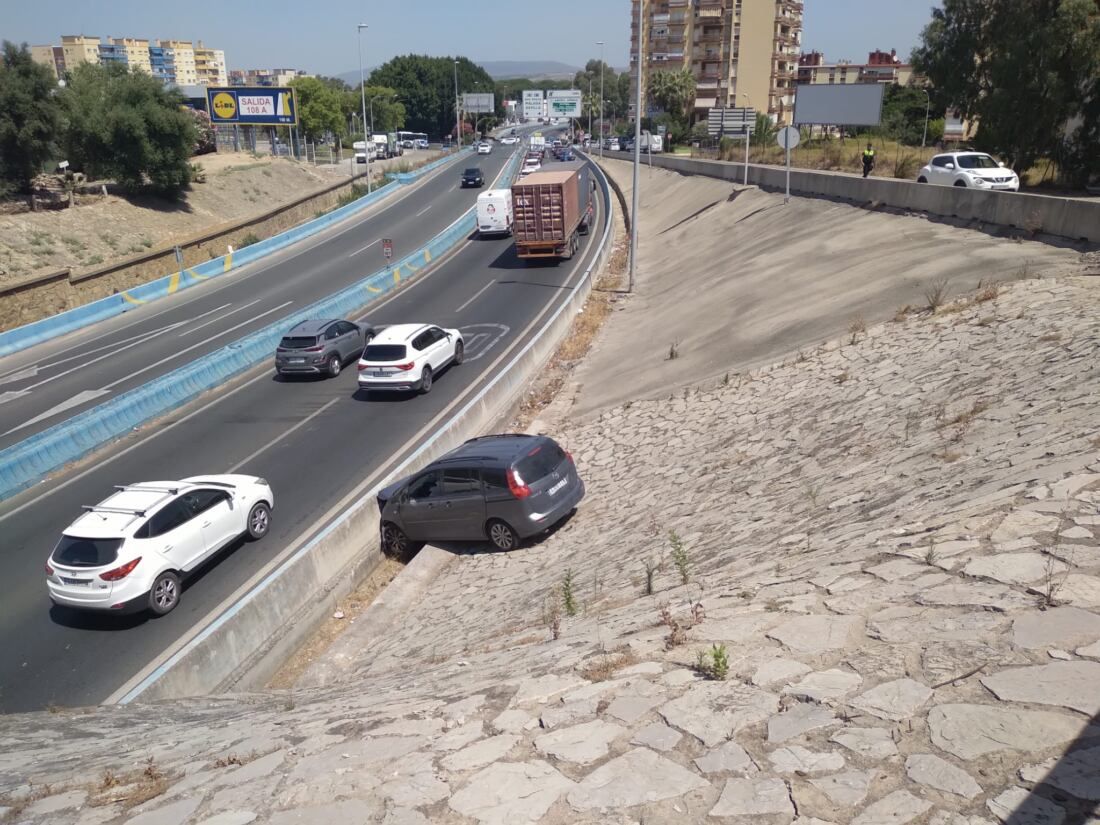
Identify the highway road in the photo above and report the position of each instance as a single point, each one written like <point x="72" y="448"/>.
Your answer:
<point x="313" y="439"/>
<point x="46" y="384"/>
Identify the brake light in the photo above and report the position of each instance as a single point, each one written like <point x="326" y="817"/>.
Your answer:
<point x="406" y="367"/>
<point x="49" y="570"/>
<point x="569" y="455"/>
<point x="364" y="367"/>
<point x="120" y="572"/>
<point x="516" y="485"/>
<point x="313" y="349"/>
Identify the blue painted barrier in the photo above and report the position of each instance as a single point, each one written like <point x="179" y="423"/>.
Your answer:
<point x="71" y="320"/>
<point x="32" y="459"/>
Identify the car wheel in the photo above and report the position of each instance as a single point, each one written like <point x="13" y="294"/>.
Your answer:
<point x="960" y="184"/>
<point x="259" y="521"/>
<point x="922" y="179"/>
<point x="460" y="353"/>
<point x="333" y="365"/>
<point x="396" y="544"/>
<point x="502" y="535"/>
<point x="164" y="595"/>
<point x="426" y="381"/>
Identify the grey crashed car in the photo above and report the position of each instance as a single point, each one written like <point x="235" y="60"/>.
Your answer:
<point x="504" y="488"/>
<point x="321" y="347"/>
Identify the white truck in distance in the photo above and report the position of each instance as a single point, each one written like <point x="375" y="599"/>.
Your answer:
<point x="494" y="212"/>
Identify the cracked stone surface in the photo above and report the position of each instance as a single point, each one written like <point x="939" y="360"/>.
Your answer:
<point x="866" y="684"/>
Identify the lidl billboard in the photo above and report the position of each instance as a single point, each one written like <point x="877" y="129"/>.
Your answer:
<point x="253" y="106"/>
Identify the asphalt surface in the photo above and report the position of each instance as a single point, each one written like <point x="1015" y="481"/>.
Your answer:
<point x="53" y="381"/>
<point x="313" y="439"/>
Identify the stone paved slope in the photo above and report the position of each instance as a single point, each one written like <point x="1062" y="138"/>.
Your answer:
<point x="895" y="540"/>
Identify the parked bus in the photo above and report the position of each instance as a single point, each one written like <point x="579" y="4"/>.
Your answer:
<point x="413" y="140"/>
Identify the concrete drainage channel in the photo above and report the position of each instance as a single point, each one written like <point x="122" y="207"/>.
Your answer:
<point x="245" y="645"/>
<point x="34" y="458"/>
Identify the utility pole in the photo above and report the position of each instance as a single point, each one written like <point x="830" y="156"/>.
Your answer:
<point x="363" y="100"/>
<point x="600" y="44"/>
<point x="458" y="127"/>
<point x="637" y="148"/>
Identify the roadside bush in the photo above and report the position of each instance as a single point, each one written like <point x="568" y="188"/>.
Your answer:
<point x="906" y="166"/>
<point x="248" y="240"/>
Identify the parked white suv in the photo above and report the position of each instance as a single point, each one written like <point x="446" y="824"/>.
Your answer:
<point x="408" y="357"/>
<point x="976" y="170"/>
<point x="130" y="551"/>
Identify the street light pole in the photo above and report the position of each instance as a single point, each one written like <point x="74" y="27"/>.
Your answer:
<point x="458" y="128"/>
<point x="927" y="109"/>
<point x="363" y="100"/>
<point x="600" y="44"/>
<point x="637" y="153"/>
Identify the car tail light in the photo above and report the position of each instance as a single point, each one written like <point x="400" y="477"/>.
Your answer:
<point x="406" y="367"/>
<point x="313" y="349"/>
<point x="569" y="455"/>
<point x="364" y="367"/>
<point x="516" y="485"/>
<point x="49" y="570"/>
<point x="120" y="572"/>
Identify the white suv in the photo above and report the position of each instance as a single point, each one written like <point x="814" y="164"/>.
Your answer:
<point x="976" y="170"/>
<point x="129" y="552"/>
<point x="408" y="356"/>
<point x="484" y="148"/>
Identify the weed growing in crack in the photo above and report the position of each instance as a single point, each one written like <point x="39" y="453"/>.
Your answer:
<point x="714" y="663"/>
<point x="568" y="597"/>
<point x="673" y="351"/>
<point x="935" y="295"/>
<point x="856" y="327"/>
<point x="551" y="615"/>
<point x="930" y="555"/>
<point x="652" y="568"/>
<point x="680" y="556"/>
<point x="1052" y="580"/>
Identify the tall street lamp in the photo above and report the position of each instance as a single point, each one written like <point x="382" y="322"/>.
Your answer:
<point x="600" y="139"/>
<point x="363" y="100"/>
<point x="927" y="108"/>
<point x="458" y="128"/>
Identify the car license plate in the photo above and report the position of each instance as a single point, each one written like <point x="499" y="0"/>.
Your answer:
<point x="379" y="373"/>
<point x="297" y="360"/>
<point x="67" y="580"/>
<point x="558" y="486"/>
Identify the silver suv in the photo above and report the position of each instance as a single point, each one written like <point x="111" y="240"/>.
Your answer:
<point x="501" y="487"/>
<point x="321" y="347"/>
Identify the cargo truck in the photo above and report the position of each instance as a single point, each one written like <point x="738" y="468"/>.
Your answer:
<point x="551" y="209"/>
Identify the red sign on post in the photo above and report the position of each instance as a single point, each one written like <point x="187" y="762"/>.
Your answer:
<point x="387" y="248"/>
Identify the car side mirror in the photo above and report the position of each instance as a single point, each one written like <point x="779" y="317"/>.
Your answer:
<point x="949" y="166"/>
<point x="1001" y="164"/>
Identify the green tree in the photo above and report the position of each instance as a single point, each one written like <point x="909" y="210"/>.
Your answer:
<point x="319" y="108"/>
<point x="903" y="113"/>
<point x="29" y="116"/>
<point x="129" y="127"/>
<point x="425" y="88"/>
<point x="673" y="92"/>
<point x="765" y="132"/>
<point x="388" y="111"/>
<point x="1024" y="69"/>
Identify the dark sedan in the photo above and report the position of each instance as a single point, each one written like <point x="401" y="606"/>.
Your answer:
<point x="472" y="177"/>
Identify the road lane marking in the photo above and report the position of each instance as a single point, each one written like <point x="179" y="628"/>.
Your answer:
<point x="475" y="296"/>
<point x="271" y="444"/>
<point x="364" y="249"/>
<point x="186" y="350"/>
<point x="77" y="400"/>
<point x="422" y="211"/>
<point x="220" y="318"/>
<point x="19" y="375"/>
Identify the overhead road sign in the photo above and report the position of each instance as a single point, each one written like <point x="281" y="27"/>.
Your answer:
<point x="858" y="104"/>
<point x="564" y="102"/>
<point x="478" y="103"/>
<point x="732" y="121"/>
<point x="532" y="104"/>
<point x="252" y="106"/>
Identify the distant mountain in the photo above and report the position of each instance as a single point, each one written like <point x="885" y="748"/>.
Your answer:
<point x="534" y="69"/>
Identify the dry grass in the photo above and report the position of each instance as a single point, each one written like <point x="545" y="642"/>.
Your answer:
<point x="607" y="665"/>
<point x="129" y="789"/>
<point x="901" y="313"/>
<point x="935" y="295"/>
<point x="856" y="327"/>
<point x="966" y="418"/>
<point x="352" y="606"/>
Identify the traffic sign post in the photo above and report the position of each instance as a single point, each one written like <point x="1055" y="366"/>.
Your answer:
<point x="739" y="120"/>
<point x="387" y="249"/>
<point x="788" y="138"/>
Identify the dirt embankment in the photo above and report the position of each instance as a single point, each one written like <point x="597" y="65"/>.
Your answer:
<point x="103" y="228"/>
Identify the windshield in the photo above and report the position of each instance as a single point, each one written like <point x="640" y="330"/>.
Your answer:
<point x="977" y="162"/>
<point x="291" y="342"/>
<point x="77" y="552"/>
<point x="384" y="352"/>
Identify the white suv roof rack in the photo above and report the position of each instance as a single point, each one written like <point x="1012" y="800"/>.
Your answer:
<point x="149" y="488"/>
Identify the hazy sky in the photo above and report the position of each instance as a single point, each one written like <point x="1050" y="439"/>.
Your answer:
<point x="320" y="36"/>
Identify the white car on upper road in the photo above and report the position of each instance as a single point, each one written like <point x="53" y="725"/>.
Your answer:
<point x="975" y="170"/>
<point x="407" y="357"/>
<point x="129" y="552"/>
<point x="509" y="140"/>
<point x="484" y="148"/>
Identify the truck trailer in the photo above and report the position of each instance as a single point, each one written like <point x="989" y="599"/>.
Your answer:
<point x="551" y="209"/>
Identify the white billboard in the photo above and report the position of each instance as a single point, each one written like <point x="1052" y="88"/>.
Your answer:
<point x="564" y="102"/>
<point x="532" y="104"/>
<point x="859" y="104"/>
<point x="478" y="103"/>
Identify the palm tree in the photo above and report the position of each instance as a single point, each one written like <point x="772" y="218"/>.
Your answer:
<point x="673" y="91"/>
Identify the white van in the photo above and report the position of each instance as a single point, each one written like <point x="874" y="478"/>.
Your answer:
<point x="494" y="212"/>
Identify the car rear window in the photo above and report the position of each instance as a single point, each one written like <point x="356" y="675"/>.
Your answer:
<point x="540" y="462"/>
<point x="472" y="172"/>
<point x="384" y="352"/>
<point x="297" y="342"/>
<point x="79" y="552"/>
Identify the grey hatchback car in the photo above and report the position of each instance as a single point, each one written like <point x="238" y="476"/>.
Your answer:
<point x="501" y="487"/>
<point x="321" y="347"/>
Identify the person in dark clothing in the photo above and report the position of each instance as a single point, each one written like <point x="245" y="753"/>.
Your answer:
<point x="868" y="159"/>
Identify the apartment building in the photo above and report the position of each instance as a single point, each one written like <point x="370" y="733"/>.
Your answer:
<point x="50" y="56"/>
<point x="183" y="60"/>
<point x="210" y="66"/>
<point x="741" y="52"/>
<point x="881" y="67"/>
<point x="78" y="49"/>
<point x="264" y="77"/>
<point x="137" y="52"/>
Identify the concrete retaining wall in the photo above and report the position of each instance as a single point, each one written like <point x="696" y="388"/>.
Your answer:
<point x="243" y="647"/>
<point x="1078" y="220"/>
<point x="27" y="462"/>
<point x="115" y="289"/>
